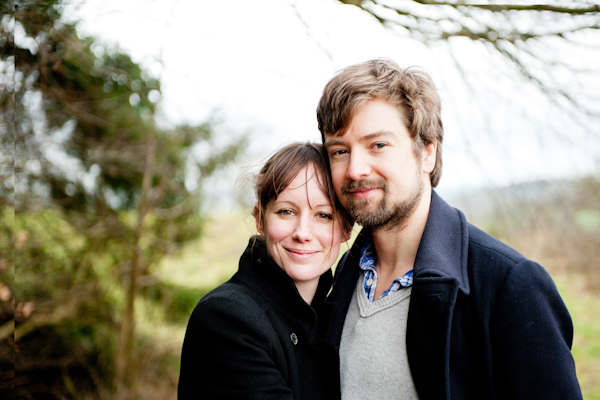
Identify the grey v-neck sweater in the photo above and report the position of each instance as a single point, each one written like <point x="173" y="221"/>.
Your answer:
<point x="373" y="362"/>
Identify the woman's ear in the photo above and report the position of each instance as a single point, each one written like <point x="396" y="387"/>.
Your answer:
<point x="258" y="218"/>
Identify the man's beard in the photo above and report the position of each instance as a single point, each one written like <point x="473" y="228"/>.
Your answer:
<point x="381" y="215"/>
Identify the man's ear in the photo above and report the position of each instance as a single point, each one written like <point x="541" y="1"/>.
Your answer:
<point x="429" y="156"/>
<point x="258" y="219"/>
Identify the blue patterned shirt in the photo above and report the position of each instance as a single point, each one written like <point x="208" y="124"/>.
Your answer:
<point x="367" y="264"/>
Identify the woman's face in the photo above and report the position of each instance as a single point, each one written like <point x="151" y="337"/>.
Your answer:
<point x="302" y="233"/>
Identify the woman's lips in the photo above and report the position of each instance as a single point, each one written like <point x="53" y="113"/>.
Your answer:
<point x="301" y="254"/>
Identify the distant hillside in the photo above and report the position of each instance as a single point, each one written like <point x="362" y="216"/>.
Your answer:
<point x="483" y="206"/>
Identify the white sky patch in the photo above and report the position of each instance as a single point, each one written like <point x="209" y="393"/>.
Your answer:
<point x="263" y="64"/>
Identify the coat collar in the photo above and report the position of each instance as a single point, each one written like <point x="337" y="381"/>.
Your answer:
<point x="259" y="272"/>
<point x="444" y="245"/>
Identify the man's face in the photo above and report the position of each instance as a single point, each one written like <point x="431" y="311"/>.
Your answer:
<point x="376" y="174"/>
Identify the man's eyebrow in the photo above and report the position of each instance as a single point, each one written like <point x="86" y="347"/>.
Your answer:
<point x="377" y="134"/>
<point x="334" y="142"/>
<point x="338" y="141"/>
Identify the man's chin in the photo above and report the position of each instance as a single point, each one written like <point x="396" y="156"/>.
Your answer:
<point x="359" y="204"/>
<point x="368" y="216"/>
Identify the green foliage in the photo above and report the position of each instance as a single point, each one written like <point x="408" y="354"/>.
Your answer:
<point x="176" y="301"/>
<point x="46" y="249"/>
<point x="94" y="191"/>
<point x="588" y="220"/>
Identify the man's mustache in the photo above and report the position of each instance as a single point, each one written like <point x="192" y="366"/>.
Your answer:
<point x="353" y="186"/>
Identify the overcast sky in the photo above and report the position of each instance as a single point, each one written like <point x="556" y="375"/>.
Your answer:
<point x="262" y="65"/>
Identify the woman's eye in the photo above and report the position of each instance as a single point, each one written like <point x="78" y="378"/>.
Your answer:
<point x="324" y="216"/>
<point x="285" y="212"/>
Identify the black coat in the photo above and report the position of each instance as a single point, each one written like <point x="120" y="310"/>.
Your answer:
<point x="483" y="323"/>
<point x="254" y="337"/>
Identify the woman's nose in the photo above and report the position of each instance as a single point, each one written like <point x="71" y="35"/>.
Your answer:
<point x="302" y="230"/>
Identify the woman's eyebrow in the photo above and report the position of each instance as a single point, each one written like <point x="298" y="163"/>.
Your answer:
<point x="278" y="202"/>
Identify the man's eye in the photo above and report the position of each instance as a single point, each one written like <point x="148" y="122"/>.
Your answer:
<point x="379" y="145"/>
<point x="338" y="152"/>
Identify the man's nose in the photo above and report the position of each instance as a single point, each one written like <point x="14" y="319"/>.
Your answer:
<point x="358" y="166"/>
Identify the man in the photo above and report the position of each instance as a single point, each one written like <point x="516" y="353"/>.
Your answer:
<point x="426" y="305"/>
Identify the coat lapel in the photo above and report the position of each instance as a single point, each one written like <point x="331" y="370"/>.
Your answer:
<point x="428" y="335"/>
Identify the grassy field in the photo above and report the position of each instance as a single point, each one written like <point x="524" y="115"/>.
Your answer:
<point x="585" y="311"/>
<point x="214" y="259"/>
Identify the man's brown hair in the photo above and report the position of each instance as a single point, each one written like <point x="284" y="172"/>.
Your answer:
<point x="411" y="90"/>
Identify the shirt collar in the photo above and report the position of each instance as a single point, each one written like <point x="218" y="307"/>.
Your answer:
<point x="367" y="256"/>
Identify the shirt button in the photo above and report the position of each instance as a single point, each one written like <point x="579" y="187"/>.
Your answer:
<point x="294" y="339"/>
<point x="369" y="281"/>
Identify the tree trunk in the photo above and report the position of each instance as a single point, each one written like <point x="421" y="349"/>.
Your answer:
<point x="126" y="359"/>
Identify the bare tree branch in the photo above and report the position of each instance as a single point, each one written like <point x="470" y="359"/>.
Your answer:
<point x="583" y="9"/>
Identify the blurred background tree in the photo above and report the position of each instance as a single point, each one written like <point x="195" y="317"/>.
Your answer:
<point x="93" y="195"/>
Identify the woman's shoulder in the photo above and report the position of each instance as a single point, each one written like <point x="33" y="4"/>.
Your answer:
<point x="231" y="299"/>
<point x="228" y="311"/>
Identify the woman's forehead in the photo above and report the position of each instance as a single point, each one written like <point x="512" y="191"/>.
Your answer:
<point x="306" y="184"/>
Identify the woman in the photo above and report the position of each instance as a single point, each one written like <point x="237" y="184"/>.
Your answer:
<point x="256" y="336"/>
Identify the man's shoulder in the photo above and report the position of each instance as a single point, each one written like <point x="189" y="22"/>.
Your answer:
<point x="495" y="270"/>
<point x="492" y="261"/>
<point x="479" y="242"/>
<point x="483" y="244"/>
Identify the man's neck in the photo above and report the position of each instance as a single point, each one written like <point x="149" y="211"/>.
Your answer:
<point x="397" y="248"/>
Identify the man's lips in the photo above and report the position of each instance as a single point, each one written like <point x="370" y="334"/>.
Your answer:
<point x="361" y="193"/>
<point x="362" y="189"/>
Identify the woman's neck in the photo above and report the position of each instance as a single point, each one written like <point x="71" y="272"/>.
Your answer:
<point x="307" y="290"/>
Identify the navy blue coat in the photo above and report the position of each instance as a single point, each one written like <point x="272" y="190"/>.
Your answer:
<point x="484" y="322"/>
<point x="254" y="337"/>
